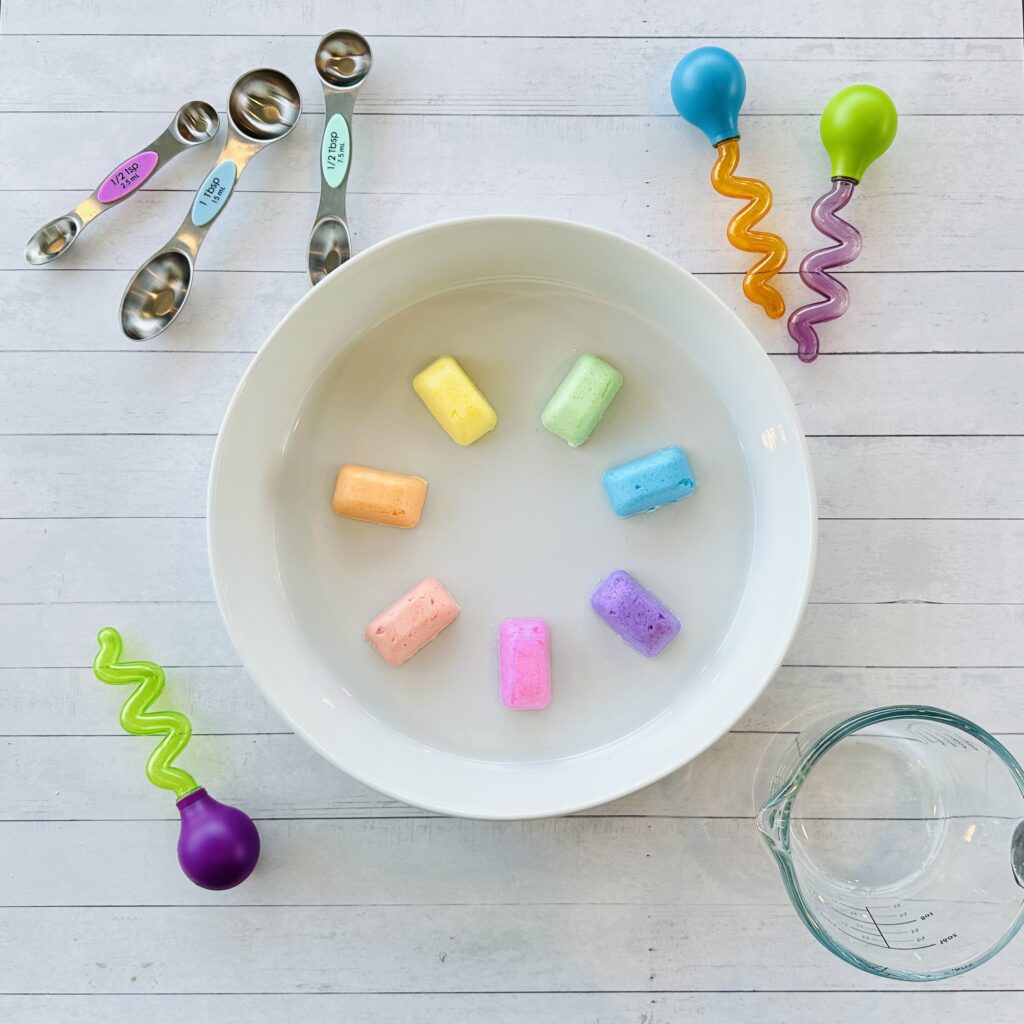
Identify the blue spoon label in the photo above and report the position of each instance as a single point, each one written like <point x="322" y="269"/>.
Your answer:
<point x="213" y="193"/>
<point x="335" y="150"/>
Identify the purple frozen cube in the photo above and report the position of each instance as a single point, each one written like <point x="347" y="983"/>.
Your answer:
<point x="639" y="618"/>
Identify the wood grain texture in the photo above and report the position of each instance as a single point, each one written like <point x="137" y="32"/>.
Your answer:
<point x="414" y="75"/>
<point x="993" y="1007"/>
<point x="438" y="948"/>
<point x="628" y="860"/>
<point x="494" y="18"/>
<point x="661" y="906"/>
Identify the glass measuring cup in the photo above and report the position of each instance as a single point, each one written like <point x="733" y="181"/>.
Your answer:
<point x="899" y="833"/>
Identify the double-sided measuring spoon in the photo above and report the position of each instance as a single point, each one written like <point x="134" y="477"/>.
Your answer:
<point x="343" y="61"/>
<point x="195" y="123"/>
<point x="263" y="107"/>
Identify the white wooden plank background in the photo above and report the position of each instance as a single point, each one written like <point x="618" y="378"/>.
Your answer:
<point x="660" y="907"/>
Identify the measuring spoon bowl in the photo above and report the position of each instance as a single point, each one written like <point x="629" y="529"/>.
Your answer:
<point x="156" y="295"/>
<point x="195" y="122"/>
<point x="343" y="59"/>
<point x="53" y="238"/>
<point x="329" y="247"/>
<point x="263" y="107"/>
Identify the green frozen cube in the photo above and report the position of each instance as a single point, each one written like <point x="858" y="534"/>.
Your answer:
<point x="582" y="399"/>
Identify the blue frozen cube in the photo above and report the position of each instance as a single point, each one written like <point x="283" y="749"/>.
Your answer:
<point x="647" y="483"/>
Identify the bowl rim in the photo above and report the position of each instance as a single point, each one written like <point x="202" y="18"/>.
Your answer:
<point x="634" y="784"/>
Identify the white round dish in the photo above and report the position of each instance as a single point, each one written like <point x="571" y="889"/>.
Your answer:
<point x="514" y="525"/>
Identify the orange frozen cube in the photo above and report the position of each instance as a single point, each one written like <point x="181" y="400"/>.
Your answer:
<point x="377" y="496"/>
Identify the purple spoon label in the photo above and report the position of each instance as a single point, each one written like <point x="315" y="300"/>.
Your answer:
<point x="127" y="177"/>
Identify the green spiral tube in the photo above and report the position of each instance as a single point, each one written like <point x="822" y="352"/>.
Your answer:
<point x="136" y="717"/>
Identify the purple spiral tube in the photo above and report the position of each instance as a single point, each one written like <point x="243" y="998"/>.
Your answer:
<point x="814" y="266"/>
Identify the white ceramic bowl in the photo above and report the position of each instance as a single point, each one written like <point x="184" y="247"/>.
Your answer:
<point x="516" y="524"/>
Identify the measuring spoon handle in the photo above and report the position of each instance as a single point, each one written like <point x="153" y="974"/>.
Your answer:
<point x="56" y="236"/>
<point x="160" y="287"/>
<point x="330" y="241"/>
<point x="212" y="196"/>
<point x="336" y="152"/>
<point x="130" y="174"/>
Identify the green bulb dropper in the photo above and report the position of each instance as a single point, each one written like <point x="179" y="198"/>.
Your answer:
<point x="857" y="127"/>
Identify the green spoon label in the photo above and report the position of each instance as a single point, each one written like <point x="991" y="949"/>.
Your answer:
<point x="213" y="193"/>
<point x="335" y="150"/>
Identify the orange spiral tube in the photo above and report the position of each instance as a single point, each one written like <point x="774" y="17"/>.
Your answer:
<point x="755" y="282"/>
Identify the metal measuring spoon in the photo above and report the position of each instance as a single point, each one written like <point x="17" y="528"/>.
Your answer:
<point x="195" y="123"/>
<point x="263" y="107"/>
<point x="343" y="61"/>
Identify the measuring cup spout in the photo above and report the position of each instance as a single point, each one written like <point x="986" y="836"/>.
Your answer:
<point x="769" y="823"/>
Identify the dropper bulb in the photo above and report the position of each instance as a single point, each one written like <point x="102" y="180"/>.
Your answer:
<point x="708" y="86"/>
<point x="218" y="845"/>
<point x="857" y="126"/>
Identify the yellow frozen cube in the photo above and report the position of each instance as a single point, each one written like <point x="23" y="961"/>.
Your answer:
<point x="455" y="401"/>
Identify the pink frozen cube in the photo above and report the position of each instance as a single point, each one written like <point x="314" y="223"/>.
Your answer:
<point x="524" y="664"/>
